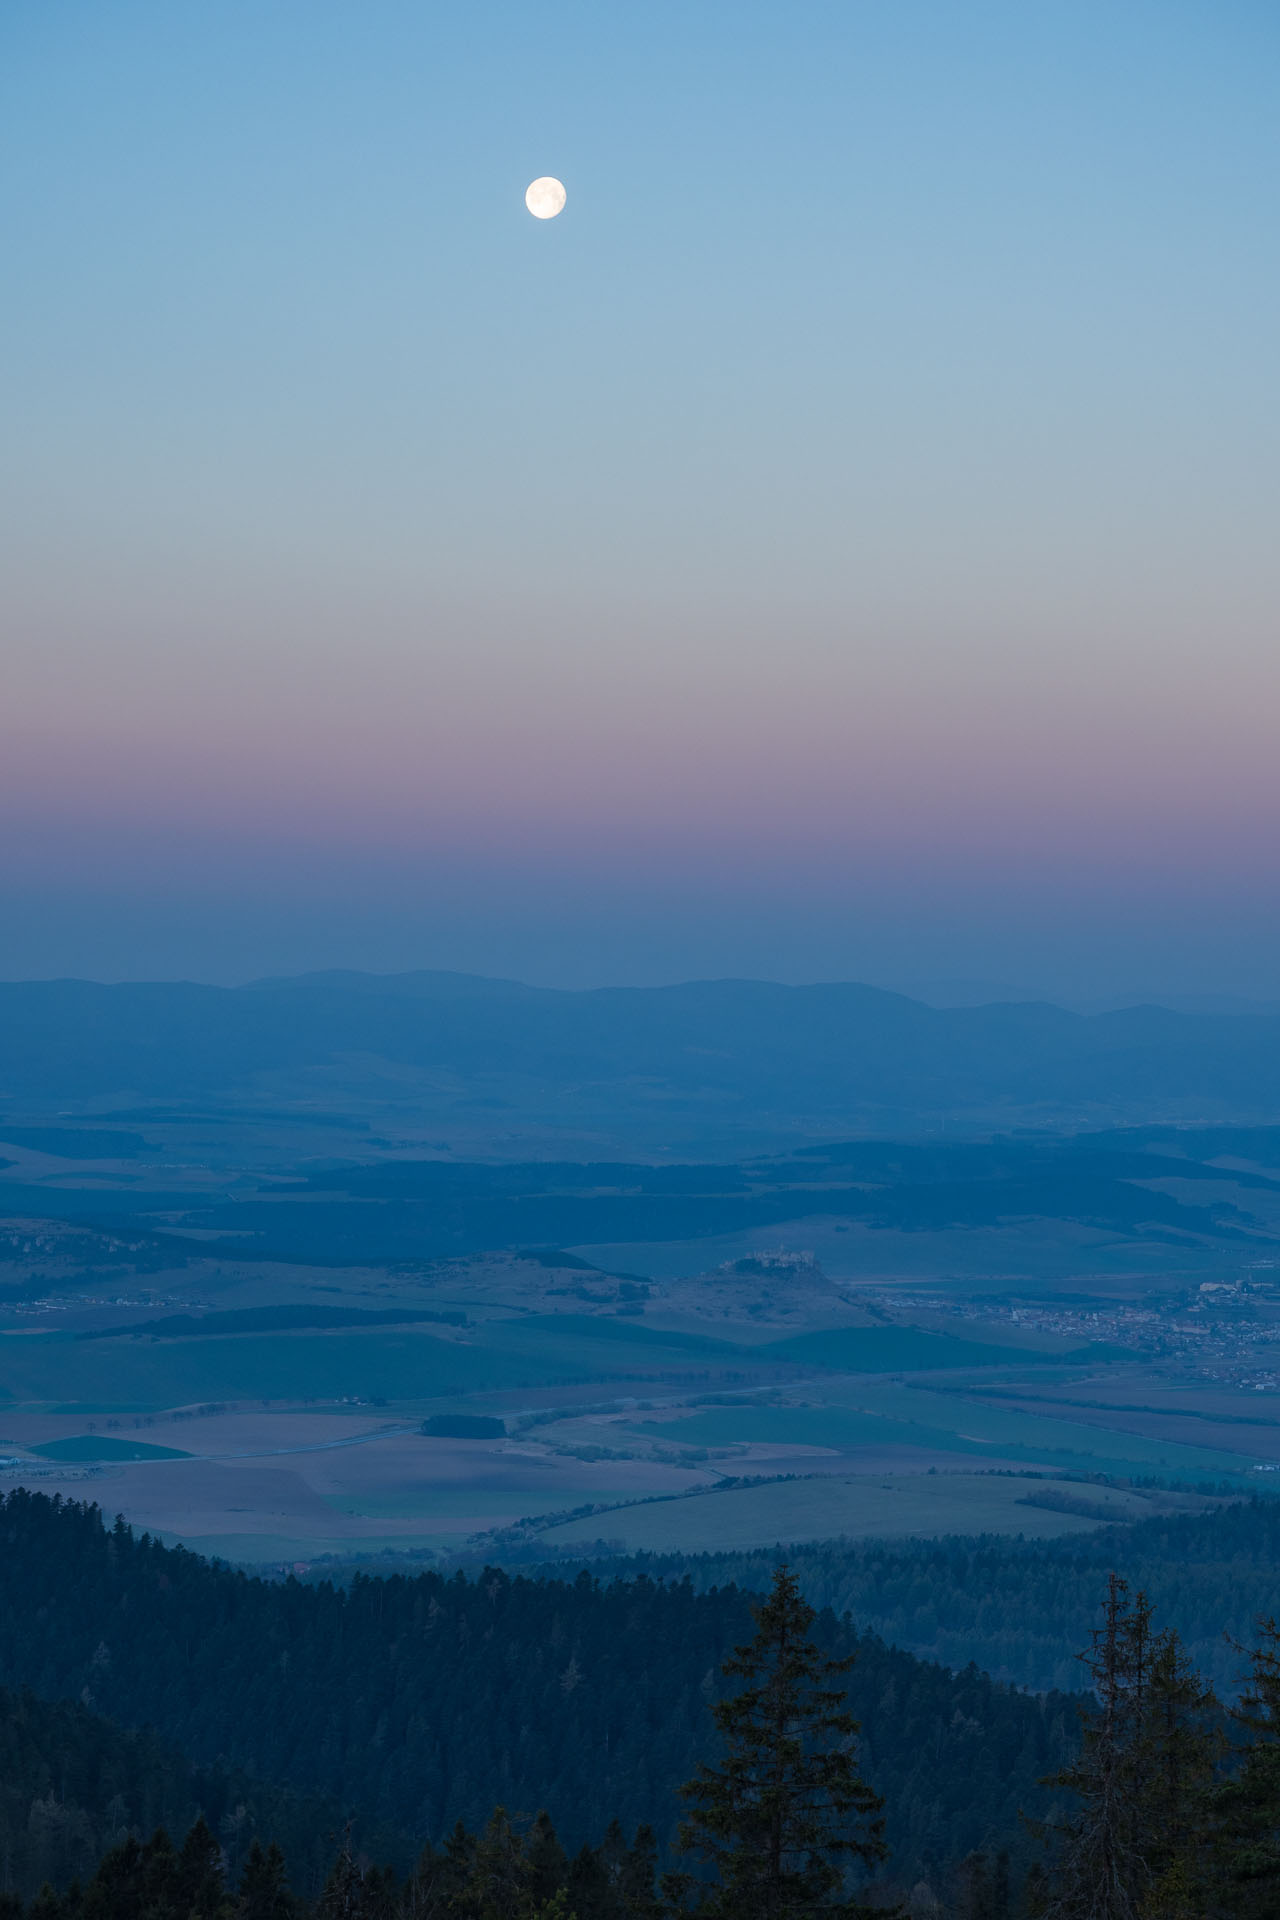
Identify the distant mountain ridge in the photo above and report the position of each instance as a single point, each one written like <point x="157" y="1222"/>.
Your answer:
<point x="738" y="1052"/>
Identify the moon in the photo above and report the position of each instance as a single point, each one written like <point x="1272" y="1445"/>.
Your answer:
<point x="545" y="197"/>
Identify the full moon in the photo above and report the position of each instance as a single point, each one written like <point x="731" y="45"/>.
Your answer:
<point x="545" y="198"/>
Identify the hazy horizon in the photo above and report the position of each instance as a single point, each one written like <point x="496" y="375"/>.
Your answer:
<point x="841" y="545"/>
<point x="941" y="993"/>
<point x="224" y="941"/>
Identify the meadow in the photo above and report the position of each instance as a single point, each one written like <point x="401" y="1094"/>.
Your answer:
<point x="408" y="1363"/>
<point x="898" y="1506"/>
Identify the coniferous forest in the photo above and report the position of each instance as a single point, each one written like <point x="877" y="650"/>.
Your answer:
<point x="1020" y="1609"/>
<point x="188" y="1740"/>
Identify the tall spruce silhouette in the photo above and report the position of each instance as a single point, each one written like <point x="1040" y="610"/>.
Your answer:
<point x="786" y="1814"/>
<point x="1247" y="1807"/>
<point x="1180" y="1747"/>
<point x="1099" y="1870"/>
<point x="1137" y="1847"/>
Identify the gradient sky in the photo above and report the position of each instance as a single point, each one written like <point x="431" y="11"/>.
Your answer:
<point x="843" y="544"/>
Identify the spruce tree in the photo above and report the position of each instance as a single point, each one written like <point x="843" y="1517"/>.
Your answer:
<point x="132" y="1879"/>
<point x="587" y="1885"/>
<point x="438" y="1875"/>
<point x="982" y="1888"/>
<point x="1247" y="1807"/>
<point x="613" y="1854"/>
<point x="785" y="1815"/>
<point x="499" y="1886"/>
<point x="548" y="1862"/>
<point x="1137" y="1847"/>
<point x="344" y="1894"/>
<point x="639" y="1888"/>
<point x="1099" y="1873"/>
<point x="1177" y="1753"/>
<point x="198" y="1892"/>
<point x="263" y="1893"/>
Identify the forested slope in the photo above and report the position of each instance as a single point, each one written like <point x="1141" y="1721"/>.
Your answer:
<point x="1020" y="1609"/>
<point x="72" y="1783"/>
<point x="423" y="1700"/>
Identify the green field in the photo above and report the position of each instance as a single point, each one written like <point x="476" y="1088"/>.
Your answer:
<point x="100" y="1446"/>
<point x="371" y="1363"/>
<point x="900" y="1350"/>
<point x="452" y="1503"/>
<point x="844" y="1428"/>
<point x="976" y="1423"/>
<point x="400" y="1364"/>
<point x="828" y="1505"/>
<point x="411" y="1363"/>
<point x="898" y="1416"/>
<point x="599" y="1335"/>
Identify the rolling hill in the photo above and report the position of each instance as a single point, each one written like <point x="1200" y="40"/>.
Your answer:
<point x="741" y="1056"/>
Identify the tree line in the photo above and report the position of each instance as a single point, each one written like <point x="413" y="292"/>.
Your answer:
<point x="779" y="1824"/>
<point x="1171" y="1811"/>
<point x="411" y="1702"/>
<point x="1019" y="1608"/>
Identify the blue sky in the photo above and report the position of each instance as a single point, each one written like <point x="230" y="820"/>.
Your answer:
<point x="841" y="543"/>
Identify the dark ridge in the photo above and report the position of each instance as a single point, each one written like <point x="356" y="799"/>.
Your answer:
<point x="187" y="1326"/>
<point x="1021" y="1609"/>
<point x="77" y="1143"/>
<point x="744" y="1053"/>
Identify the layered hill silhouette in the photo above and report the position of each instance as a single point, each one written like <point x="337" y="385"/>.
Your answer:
<point x="735" y="1054"/>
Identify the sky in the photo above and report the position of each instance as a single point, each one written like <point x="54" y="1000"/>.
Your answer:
<point x="841" y="545"/>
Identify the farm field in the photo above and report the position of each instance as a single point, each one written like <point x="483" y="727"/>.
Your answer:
<point x="254" y="1431"/>
<point x="404" y="1363"/>
<point x="849" y="1415"/>
<point x="974" y="1420"/>
<point x="356" y="1478"/>
<point x="183" y="1344"/>
<point x="341" y="1480"/>
<point x="1036" y="1254"/>
<point x="412" y="1363"/>
<point x="785" y="1511"/>
<point x="1192" y="1427"/>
